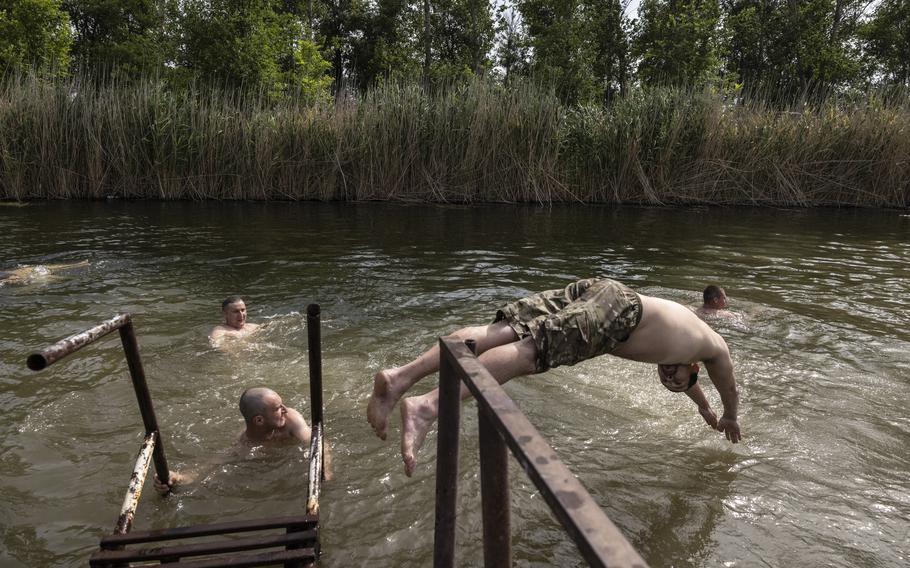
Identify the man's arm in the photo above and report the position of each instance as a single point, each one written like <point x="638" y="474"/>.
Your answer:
<point x="720" y="370"/>
<point x="216" y="336"/>
<point x="176" y="478"/>
<point x="302" y="431"/>
<point x="704" y="407"/>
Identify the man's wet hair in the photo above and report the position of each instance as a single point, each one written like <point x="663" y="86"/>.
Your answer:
<point x="711" y="292"/>
<point x="230" y="300"/>
<point x="252" y="402"/>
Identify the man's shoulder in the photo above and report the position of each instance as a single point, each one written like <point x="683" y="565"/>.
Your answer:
<point x="219" y="330"/>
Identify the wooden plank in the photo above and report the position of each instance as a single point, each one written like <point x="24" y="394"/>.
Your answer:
<point x="297" y="522"/>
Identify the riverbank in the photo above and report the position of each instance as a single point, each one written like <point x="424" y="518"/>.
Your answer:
<point x="481" y="143"/>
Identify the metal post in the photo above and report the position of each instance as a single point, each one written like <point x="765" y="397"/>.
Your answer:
<point x="446" y="463"/>
<point x="315" y="353"/>
<point x="134" y="490"/>
<point x="494" y="489"/>
<point x="131" y="348"/>
<point x="317" y="448"/>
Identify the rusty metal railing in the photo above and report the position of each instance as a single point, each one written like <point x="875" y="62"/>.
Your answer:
<point x="152" y="443"/>
<point x="502" y="425"/>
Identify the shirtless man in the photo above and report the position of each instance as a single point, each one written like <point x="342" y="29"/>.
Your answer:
<point x="268" y="422"/>
<point x="26" y="274"/>
<point x="235" y="325"/>
<point x="563" y="327"/>
<point x="714" y="303"/>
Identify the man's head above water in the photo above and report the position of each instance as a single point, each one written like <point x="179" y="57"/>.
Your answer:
<point x="714" y="297"/>
<point x="678" y="377"/>
<point x="234" y="310"/>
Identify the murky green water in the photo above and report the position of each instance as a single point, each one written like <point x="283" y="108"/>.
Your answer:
<point x="822" y="356"/>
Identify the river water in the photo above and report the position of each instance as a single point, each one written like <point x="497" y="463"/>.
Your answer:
<point x="820" y="348"/>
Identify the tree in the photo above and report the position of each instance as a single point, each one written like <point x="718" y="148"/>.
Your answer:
<point x="886" y="40"/>
<point x="676" y="41"/>
<point x="556" y="38"/>
<point x="125" y="38"/>
<point x="607" y="38"/>
<point x="512" y="44"/>
<point x="461" y="37"/>
<point x="789" y="48"/>
<point x="34" y="34"/>
<point x="389" y="46"/>
<point x="250" y="44"/>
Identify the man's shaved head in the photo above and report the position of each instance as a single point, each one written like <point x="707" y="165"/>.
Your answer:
<point x="253" y="402"/>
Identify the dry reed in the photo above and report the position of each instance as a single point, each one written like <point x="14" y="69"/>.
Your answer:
<point x="77" y="138"/>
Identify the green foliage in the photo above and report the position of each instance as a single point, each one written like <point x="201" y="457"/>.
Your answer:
<point x="886" y="37"/>
<point x="606" y="30"/>
<point x="512" y="44"/>
<point x="390" y="48"/>
<point x="250" y="45"/>
<point x="124" y="39"/>
<point x="555" y="35"/>
<point x="786" y="49"/>
<point x="462" y="35"/>
<point x="677" y="42"/>
<point x="34" y="34"/>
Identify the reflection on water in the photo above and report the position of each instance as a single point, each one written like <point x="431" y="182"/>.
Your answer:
<point x="821" y="354"/>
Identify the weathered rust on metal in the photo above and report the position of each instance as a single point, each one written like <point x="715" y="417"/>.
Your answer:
<point x="447" y="462"/>
<point x="137" y="481"/>
<point x="123" y="323"/>
<point x="494" y="488"/>
<point x="175" y="552"/>
<point x="59" y="350"/>
<point x="598" y="539"/>
<point x="314" y="343"/>
<point x="315" y="482"/>
<point x="140" y="386"/>
<point x="494" y="491"/>
<point x="301" y="557"/>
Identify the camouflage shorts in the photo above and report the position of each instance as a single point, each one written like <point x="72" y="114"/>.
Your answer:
<point x="585" y="319"/>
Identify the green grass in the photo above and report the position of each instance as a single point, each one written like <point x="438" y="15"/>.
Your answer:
<point x="75" y="138"/>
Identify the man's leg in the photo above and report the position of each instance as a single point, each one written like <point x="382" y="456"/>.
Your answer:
<point x="419" y="412"/>
<point x="390" y="384"/>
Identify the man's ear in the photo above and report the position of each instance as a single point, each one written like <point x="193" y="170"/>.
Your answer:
<point x="258" y="420"/>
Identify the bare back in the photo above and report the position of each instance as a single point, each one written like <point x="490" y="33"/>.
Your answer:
<point x="671" y="333"/>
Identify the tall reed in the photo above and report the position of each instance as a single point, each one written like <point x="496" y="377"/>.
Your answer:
<point x="78" y="138"/>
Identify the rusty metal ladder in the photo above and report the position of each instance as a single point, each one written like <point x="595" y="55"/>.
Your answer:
<point x="297" y="541"/>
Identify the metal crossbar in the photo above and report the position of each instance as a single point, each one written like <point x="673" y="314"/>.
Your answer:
<point x="502" y="424"/>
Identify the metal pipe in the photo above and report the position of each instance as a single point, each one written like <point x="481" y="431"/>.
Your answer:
<point x="316" y="445"/>
<point x="59" y="350"/>
<point x="494" y="489"/>
<point x="137" y="481"/>
<point x="446" y="462"/>
<point x="314" y="340"/>
<point x="137" y="375"/>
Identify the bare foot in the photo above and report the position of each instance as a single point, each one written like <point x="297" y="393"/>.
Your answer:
<point x="417" y="416"/>
<point x="381" y="403"/>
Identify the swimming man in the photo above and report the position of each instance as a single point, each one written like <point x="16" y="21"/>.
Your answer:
<point x="586" y="319"/>
<point x="268" y="422"/>
<point x="235" y="325"/>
